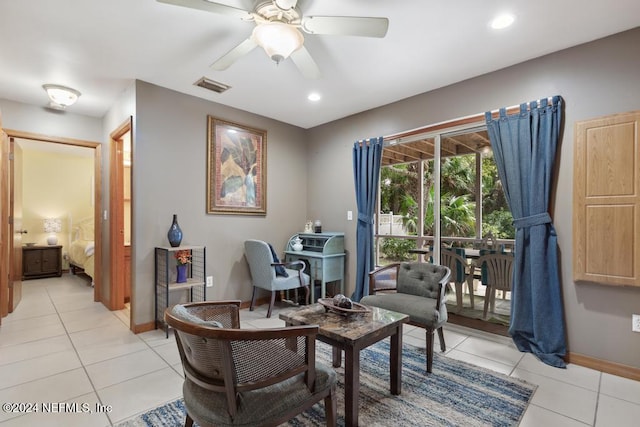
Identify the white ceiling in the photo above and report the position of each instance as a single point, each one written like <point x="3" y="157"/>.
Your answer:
<point x="100" y="46"/>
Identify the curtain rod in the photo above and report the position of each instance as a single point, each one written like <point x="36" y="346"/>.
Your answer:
<point x="479" y="118"/>
<point x="516" y="107"/>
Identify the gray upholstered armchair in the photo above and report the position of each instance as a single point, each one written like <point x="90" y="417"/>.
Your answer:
<point x="263" y="272"/>
<point x="420" y="293"/>
<point x="244" y="377"/>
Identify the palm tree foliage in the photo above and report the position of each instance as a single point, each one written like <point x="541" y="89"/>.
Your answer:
<point x="497" y="218"/>
<point x="399" y="187"/>
<point x="400" y="192"/>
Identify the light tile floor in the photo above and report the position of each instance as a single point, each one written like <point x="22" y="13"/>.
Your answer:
<point x="61" y="347"/>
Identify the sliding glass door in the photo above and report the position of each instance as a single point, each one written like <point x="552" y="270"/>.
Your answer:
<point x="440" y="191"/>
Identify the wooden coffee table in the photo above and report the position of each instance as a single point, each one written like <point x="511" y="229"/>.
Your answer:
<point x="352" y="334"/>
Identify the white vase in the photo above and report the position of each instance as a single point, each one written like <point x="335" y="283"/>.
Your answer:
<point x="297" y="244"/>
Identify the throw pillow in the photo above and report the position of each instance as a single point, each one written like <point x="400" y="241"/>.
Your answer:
<point x="280" y="270"/>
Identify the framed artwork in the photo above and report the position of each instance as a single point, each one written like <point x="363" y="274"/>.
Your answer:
<point x="236" y="169"/>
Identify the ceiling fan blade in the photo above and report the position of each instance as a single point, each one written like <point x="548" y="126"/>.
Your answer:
<point x="305" y="63"/>
<point x="345" y="25"/>
<point x="234" y="54"/>
<point x="208" y="6"/>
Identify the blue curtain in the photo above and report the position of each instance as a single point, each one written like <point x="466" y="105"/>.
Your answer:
<point x="524" y="149"/>
<point x="367" y="157"/>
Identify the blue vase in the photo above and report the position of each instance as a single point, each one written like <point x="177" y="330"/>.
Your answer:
<point x="175" y="233"/>
<point x="181" y="277"/>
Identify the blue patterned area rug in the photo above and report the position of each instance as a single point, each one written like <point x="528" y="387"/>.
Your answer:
<point x="455" y="394"/>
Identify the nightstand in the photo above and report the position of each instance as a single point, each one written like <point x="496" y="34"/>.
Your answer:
<point x="41" y="261"/>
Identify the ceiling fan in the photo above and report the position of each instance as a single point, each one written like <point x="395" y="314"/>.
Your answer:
<point x="277" y="31"/>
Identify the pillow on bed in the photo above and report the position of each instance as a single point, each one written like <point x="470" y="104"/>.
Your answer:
<point x="90" y="248"/>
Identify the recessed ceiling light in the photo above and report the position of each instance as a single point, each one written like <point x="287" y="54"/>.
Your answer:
<point x="502" y="21"/>
<point x="314" y="96"/>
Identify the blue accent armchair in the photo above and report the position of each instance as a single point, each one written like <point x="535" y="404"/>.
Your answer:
<point x="263" y="272"/>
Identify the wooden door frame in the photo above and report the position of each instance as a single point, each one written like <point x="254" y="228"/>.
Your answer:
<point x="4" y="223"/>
<point x="116" y="225"/>
<point x="15" y="252"/>
<point x="97" y="191"/>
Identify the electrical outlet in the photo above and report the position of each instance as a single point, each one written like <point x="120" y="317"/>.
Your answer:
<point x="635" y="322"/>
<point x="349" y="215"/>
<point x="209" y="281"/>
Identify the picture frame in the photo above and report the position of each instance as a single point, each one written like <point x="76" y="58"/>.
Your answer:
<point x="236" y="168"/>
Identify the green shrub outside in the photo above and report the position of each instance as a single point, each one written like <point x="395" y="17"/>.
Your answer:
<point x="397" y="249"/>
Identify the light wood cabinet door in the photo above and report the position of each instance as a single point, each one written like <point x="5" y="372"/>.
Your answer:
<point x="606" y="244"/>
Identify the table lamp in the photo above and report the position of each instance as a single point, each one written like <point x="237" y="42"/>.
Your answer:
<point x="53" y="226"/>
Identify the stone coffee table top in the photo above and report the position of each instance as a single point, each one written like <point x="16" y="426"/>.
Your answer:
<point x="341" y="328"/>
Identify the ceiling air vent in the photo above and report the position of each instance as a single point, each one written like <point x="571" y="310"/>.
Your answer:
<point x="212" y="85"/>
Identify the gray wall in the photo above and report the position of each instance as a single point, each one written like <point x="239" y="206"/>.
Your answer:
<point x="120" y="112"/>
<point x="169" y="177"/>
<point x="44" y="121"/>
<point x="595" y="79"/>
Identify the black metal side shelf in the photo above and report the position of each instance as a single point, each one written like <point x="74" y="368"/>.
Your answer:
<point x="168" y="290"/>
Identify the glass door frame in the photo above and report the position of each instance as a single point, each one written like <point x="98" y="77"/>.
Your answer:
<point x="436" y="132"/>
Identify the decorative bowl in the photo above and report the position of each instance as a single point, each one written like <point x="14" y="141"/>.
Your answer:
<point x="357" y="308"/>
<point x="29" y="244"/>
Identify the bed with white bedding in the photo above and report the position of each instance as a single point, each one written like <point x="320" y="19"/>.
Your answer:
<point x="82" y="248"/>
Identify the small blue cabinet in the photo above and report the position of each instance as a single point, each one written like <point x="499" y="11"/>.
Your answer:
<point x="324" y="254"/>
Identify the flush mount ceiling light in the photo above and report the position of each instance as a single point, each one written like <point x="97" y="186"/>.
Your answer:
<point x="61" y="96"/>
<point x="314" y="97"/>
<point x="502" y="21"/>
<point x="278" y="39"/>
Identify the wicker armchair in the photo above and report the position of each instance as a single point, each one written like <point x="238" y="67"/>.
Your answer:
<point x="247" y="377"/>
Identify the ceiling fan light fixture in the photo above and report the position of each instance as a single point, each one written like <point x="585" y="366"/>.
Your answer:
<point x="286" y="4"/>
<point x="61" y="96"/>
<point x="278" y="39"/>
